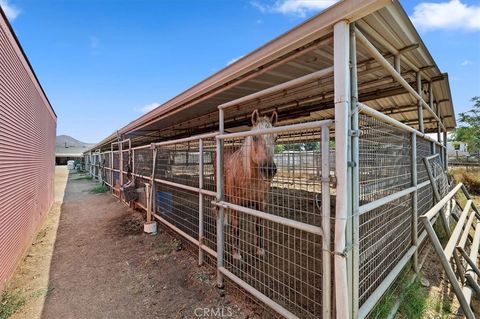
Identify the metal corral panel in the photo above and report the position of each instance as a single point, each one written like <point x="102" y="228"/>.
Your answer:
<point x="27" y="152"/>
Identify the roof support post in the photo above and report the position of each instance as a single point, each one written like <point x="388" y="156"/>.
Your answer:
<point x="421" y="125"/>
<point x="342" y="258"/>
<point x="112" y="187"/>
<point x="220" y="197"/>
<point x="120" y="148"/>
<point x="355" y="171"/>
<point x="200" y="204"/>
<point x="396" y="62"/>
<point x="436" y="107"/>
<point x="414" y="201"/>
<point x="326" y="225"/>
<point x="445" y="154"/>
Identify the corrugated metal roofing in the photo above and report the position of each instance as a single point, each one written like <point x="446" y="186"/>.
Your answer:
<point x="27" y="148"/>
<point x="303" y="50"/>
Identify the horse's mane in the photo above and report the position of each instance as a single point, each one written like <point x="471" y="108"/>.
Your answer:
<point x="246" y="148"/>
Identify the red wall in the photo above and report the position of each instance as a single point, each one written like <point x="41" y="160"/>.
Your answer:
<point x="27" y="153"/>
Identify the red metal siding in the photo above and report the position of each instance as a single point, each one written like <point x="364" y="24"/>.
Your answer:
<point x="27" y="153"/>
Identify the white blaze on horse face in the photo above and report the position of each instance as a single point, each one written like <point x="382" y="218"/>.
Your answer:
<point x="263" y="145"/>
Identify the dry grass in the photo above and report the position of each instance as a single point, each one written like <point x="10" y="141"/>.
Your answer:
<point x="470" y="177"/>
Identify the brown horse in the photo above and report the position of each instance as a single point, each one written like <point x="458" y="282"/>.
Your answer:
<point x="248" y="174"/>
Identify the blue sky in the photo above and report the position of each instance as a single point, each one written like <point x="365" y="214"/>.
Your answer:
<point x="103" y="63"/>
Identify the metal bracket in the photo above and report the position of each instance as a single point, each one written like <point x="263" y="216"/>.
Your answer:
<point x="352" y="164"/>
<point x="326" y="179"/>
<point x="344" y="253"/>
<point x="354" y="133"/>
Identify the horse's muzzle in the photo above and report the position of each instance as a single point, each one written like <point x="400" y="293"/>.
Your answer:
<point x="268" y="170"/>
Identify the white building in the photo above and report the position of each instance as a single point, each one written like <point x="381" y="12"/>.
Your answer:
<point x="457" y="149"/>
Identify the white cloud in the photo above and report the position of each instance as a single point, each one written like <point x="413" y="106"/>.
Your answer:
<point x="259" y="6"/>
<point x="298" y="8"/>
<point x="147" y="108"/>
<point x="466" y="62"/>
<point x="10" y="10"/>
<point x="234" y="60"/>
<point x="452" y="15"/>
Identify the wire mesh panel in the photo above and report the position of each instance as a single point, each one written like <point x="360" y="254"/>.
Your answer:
<point x="179" y="207"/>
<point x="425" y="201"/>
<point x="142" y="161"/>
<point x="290" y="271"/>
<point x="424" y="149"/>
<point x="141" y="191"/>
<point x="127" y="166"/>
<point x="177" y="171"/>
<point x="426" y="198"/>
<point x="439" y="175"/>
<point x="179" y="163"/>
<point x="87" y="162"/>
<point x="116" y="159"/>
<point x="385" y="233"/>
<point x="209" y="222"/>
<point x="385" y="236"/>
<point x="116" y="179"/>
<point x="385" y="159"/>
<point x="96" y="165"/>
<point x="278" y="174"/>
<point x="106" y="162"/>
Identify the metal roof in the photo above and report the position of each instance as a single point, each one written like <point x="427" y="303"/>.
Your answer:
<point x="303" y="50"/>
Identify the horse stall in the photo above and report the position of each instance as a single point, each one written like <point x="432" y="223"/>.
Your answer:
<point x="299" y="171"/>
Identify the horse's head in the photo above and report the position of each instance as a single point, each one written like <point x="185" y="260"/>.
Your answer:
<point x="262" y="147"/>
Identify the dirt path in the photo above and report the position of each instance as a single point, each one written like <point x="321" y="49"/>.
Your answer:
<point x="92" y="260"/>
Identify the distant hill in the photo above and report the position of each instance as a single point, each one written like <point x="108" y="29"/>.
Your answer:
<point x="67" y="145"/>
<point x="68" y="141"/>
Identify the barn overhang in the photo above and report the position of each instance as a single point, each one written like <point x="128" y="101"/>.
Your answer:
<point x="301" y="51"/>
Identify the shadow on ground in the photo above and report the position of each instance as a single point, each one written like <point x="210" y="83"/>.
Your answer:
<point x="103" y="266"/>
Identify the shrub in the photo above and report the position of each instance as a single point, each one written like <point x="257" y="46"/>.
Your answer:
<point x="100" y="189"/>
<point x="469" y="177"/>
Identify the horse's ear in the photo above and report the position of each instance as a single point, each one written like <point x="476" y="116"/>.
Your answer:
<point x="255" y="117"/>
<point x="274" y="118"/>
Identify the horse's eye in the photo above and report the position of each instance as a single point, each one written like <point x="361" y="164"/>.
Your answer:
<point x="255" y="139"/>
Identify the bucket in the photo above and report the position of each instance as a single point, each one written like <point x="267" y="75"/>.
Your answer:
<point x="164" y="201"/>
<point x="150" y="228"/>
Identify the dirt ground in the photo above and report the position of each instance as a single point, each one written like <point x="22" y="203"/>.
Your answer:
<point x="91" y="259"/>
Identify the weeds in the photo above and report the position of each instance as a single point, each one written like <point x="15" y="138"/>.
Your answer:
<point x="409" y="296"/>
<point x="42" y="292"/>
<point x="442" y="307"/>
<point x="85" y="177"/>
<point x="12" y="301"/>
<point x="470" y="177"/>
<point x="100" y="189"/>
<point x="385" y="306"/>
<point x="414" y="300"/>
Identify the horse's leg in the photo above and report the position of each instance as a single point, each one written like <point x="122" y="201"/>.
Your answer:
<point x="236" y="235"/>
<point x="259" y="230"/>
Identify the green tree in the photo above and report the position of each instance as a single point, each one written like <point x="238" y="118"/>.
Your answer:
<point x="469" y="131"/>
<point x="312" y="146"/>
